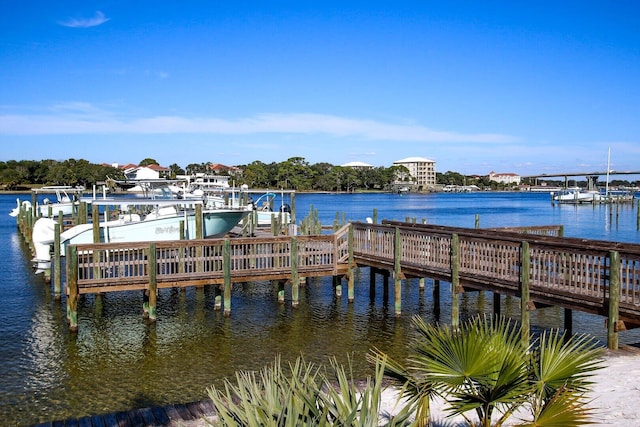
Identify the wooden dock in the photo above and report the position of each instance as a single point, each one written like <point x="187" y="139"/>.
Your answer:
<point x="534" y="264"/>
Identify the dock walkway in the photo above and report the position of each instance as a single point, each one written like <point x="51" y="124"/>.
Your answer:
<point x="596" y="277"/>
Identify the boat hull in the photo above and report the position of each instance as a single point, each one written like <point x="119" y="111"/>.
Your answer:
<point x="216" y="223"/>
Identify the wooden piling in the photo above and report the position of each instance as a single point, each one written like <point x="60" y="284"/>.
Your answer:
<point x="614" y="300"/>
<point x="34" y="204"/>
<point x="436" y="297"/>
<point x="57" y="262"/>
<point x="95" y="215"/>
<point x="385" y="285"/>
<point x="280" y="284"/>
<point x="226" y="267"/>
<point x="351" y="273"/>
<point x="72" y="287"/>
<point x="337" y="285"/>
<point x="295" y="278"/>
<point x="199" y="223"/>
<point x="153" y="281"/>
<point x="455" y="281"/>
<point x="217" y="304"/>
<point x="496" y="304"/>
<point x="292" y="214"/>
<point x="568" y="322"/>
<point x="372" y="283"/>
<point x="525" y="297"/>
<point x="397" y="272"/>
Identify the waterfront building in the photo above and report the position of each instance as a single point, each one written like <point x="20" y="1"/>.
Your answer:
<point x="423" y="171"/>
<point x="357" y="165"/>
<point x="505" y="178"/>
<point x="135" y="172"/>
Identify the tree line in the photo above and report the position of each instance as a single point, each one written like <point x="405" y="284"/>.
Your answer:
<point x="294" y="173"/>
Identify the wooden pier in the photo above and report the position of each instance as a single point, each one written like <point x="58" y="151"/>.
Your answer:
<point x="149" y="266"/>
<point x="534" y="264"/>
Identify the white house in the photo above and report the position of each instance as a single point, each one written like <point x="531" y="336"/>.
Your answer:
<point x="357" y="165"/>
<point x="505" y="178"/>
<point x="132" y="171"/>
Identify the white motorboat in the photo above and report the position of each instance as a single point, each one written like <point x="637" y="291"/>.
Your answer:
<point x="577" y="195"/>
<point x="265" y="212"/>
<point x="167" y="220"/>
<point x="65" y="200"/>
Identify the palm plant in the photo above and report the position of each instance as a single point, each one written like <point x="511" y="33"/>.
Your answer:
<point x="305" y="396"/>
<point x="484" y="367"/>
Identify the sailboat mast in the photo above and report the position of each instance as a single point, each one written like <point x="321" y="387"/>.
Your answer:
<point x="606" y="188"/>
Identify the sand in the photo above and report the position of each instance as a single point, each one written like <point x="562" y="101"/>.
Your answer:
<point x="616" y="396"/>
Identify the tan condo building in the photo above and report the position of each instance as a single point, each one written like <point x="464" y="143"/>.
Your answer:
<point x="423" y="171"/>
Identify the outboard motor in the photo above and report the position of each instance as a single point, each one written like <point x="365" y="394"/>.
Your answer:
<point x="285" y="208"/>
<point x="42" y="237"/>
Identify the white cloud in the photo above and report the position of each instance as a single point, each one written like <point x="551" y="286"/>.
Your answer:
<point x="98" y="19"/>
<point x="82" y="118"/>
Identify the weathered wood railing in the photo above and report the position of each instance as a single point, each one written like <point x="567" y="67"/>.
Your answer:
<point x="100" y="267"/>
<point x="593" y="276"/>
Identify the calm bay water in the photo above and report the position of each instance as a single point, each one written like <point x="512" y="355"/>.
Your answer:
<point x="117" y="361"/>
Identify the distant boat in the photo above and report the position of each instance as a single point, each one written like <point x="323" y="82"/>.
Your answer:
<point x="164" y="222"/>
<point x="64" y="202"/>
<point x="577" y="195"/>
<point x="265" y="212"/>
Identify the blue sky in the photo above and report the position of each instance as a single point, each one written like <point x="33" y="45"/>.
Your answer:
<point x="524" y="87"/>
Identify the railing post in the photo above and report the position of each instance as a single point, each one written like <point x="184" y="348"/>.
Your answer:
<point x="295" y="278"/>
<point x="153" y="281"/>
<point x="525" y="268"/>
<point x="226" y="269"/>
<point x="614" y="300"/>
<point x="350" y="285"/>
<point x="72" y="287"/>
<point x="455" y="281"/>
<point x="397" y="272"/>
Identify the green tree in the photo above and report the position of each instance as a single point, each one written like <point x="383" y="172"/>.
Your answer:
<point x="451" y="178"/>
<point x="294" y="173"/>
<point x="175" y="170"/>
<point x="322" y="177"/>
<point x="148" y="161"/>
<point x="256" y="175"/>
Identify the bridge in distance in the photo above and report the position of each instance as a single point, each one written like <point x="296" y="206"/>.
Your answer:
<point x="566" y="175"/>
